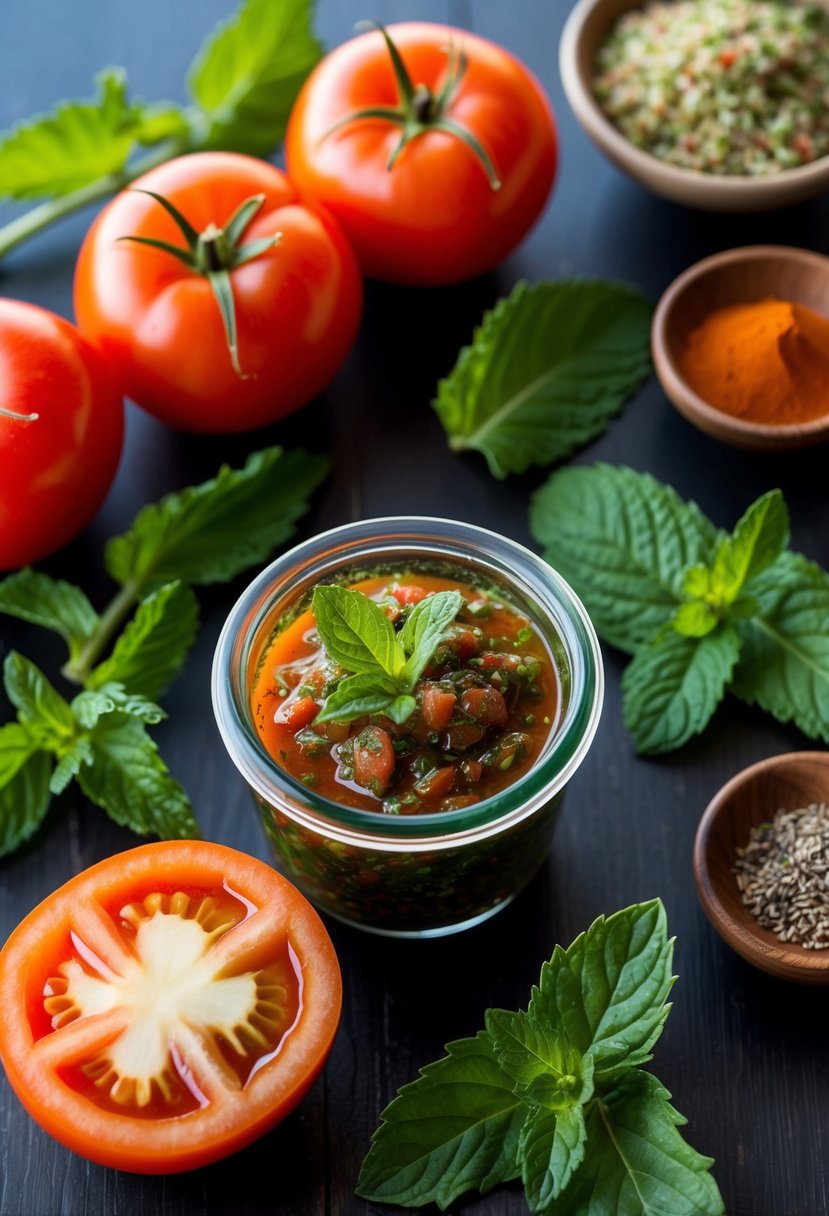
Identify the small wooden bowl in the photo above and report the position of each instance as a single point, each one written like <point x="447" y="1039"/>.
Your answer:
<point x="739" y="276"/>
<point x="586" y="29"/>
<point x="753" y="797"/>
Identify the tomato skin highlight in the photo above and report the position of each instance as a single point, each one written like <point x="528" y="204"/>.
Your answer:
<point x="157" y="322"/>
<point x="434" y="218"/>
<point x="230" y="1119"/>
<point x="58" y="467"/>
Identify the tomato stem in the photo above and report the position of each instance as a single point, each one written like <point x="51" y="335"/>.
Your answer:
<point x="32" y="222"/>
<point x="78" y="670"/>
<point x="419" y="110"/>
<point x="4" y="413"/>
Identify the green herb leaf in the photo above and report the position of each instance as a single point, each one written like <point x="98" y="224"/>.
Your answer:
<point x="453" y="1130"/>
<point x="249" y="71"/>
<point x="784" y="659"/>
<point x="423" y="630"/>
<point x="695" y="619"/>
<point x="606" y="992"/>
<point x="672" y="687"/>
<point x="551" y="1149"/>
<point x="79" y="752"/>
<point x="130" y="781"/>
<point x="547" y="370"/>
<point x="24" y="786"/>
<point x="51" y="603"/>
<point x="357" y="696"/>
<point x="210" y="532"/>
<point x="622" y="541"/>
<point x="636" y="1163"/>
<point x="81" y="142"/>
<point x="91" y="705"/>
<point x="546" y="1068"/>
<point x="151" y="651"/>
<point x="758" y="540"/>
<point x="48" y="717"/>
<point x="357" y="634"/>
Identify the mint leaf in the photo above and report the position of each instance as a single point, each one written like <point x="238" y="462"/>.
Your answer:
<point x="43" y="710"/>
<point x="694" y="618"/>
<point x="547" y="1070"/>
<point x="130" y="781"/>
<point x="453" y="1130"/>
<point x="622" y="541"/>
<point x="551" y="1148"/>
<point x="423" y="630"/>
<point x="672" y="687"/>
<point x="81" y="142"/>
<point x="606" y="993"/>
<point x="210" y="532"/>
<point x="51" y="603"/>
<point x="90" y="706"/>
<point x="24" y="786"/>
<point x="784" y="657"/>
<point x="547" y="370"/>
<point x="78" y="753"/>
<point x="357" y="634"/>
<point x="151" y="651"/>
<point x="758" y="540"/>
<point x="355" y="697"/>
<point x="248" y="72"/>
<point x="636" y="1163"/>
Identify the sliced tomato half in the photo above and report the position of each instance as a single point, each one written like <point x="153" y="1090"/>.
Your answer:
<point x="167" y="1006"/>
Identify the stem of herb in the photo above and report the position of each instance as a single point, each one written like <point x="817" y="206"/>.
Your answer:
<point x="77" y="670"/>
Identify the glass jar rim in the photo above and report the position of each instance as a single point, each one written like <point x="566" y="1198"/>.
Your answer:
<point x="348" y="545"/>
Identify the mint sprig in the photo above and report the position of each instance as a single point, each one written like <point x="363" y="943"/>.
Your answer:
<point x="701" y="611"/>
<point x="204" y="534"/>
<point x="555" y="1095"/>
<point x="547" y="370"/>
<point x="385" y="665"/>
<point x="242" y="86"/>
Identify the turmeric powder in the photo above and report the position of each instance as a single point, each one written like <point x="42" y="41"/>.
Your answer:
<point x="766" y="362"/>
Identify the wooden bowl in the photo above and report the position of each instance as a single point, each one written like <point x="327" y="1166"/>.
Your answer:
<point x="739" y="276"/>
<point x="586" y="29"/>
<point x="753" y="797"/>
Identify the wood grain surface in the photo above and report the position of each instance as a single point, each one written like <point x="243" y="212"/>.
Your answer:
<point x="744" y="1055"/>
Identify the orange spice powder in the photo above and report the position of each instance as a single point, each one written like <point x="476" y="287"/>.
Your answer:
<point x="766" y="362"/>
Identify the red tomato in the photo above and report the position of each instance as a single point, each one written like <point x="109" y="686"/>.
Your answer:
<point x="167" y="1006"/>
<point x="297" y="303"/>
<point x="434" y="216"/>
<point x="61" y="429"/>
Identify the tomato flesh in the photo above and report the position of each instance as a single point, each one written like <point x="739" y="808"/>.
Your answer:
<point x="164" y="1023"/>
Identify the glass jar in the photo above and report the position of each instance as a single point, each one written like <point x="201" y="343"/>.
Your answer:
<point x="410" y="875"/>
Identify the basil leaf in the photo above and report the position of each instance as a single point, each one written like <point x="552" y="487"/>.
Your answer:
<point x="51" y="603"/>
<point x="606" y="993"/>
<point x="210" y="532"/>
<point x="758" y="540"/>
<point x="622" y="541"/>
<point x="151" y="651"/>
<point x="24" y="786"/>
<point x="636" y="1163"/>
<point x="672" y="687"/>
<point x="423" y="630"/>
<point x="80" y="142"/>
<point x="247" y="74"/>
<point x="784" y="657"/>
<point x="453" y="1130"/>
<point x="130" y="781"/>
<point x="547" y="370"/>
<point x="551" y="1148"/>
<point x="38" y="705"/>
<point x="356" y="633"/>
<point x="355" y="697"/>
<point x="545" y="1067"/>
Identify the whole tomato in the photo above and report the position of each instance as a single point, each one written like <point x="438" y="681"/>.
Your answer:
<point x="434" y="148"/>
<point x="223" y="300"/>
<point x="61" y="430"/>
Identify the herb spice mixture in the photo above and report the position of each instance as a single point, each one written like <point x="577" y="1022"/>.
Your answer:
<point x="783" y="875"/>
<point x="720" y="86"/>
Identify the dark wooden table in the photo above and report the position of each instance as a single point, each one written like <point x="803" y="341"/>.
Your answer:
<point x="744" y="1055"/>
